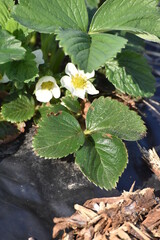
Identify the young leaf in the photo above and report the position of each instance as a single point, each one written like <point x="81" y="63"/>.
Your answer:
<point x="18" y="109"/>
<point x="131" y="74"/>
<point x="71" y="103"/>
<point x="5" y="8"/>
<point x="10" y="48"/>
<point x="23" y="71"/>
<point x="47" y="16"/>
<point x="19" y="31"/>
<point x="89" y="52"/>
<point x="58" y="135"/>
<point x="103" y="160"/>
<point x="109" y="116"/>
<point x="141" y="17"/>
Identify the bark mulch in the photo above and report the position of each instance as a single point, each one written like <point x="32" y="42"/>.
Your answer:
<point x="133" y="215"/>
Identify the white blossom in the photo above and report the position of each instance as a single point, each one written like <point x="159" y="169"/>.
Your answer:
<point x="46" y="89"/>
<point x="38" y="57"/>
<point x="4" y="78"/>
<point x="77" y="81"/>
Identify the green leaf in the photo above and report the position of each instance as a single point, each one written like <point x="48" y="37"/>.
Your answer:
<point x="109" y="116"/>
<point x="23" y="71"/>
<point x="58" y="135"/>
<point x="131" y="74"/>
<point x="19" y="31"/>
<point x="89" y="52"/>
<point x="48" y="16"/>
<point x="134" y="43"/>
<point x="103" y="160"/>
<point x="71" y="103"/>
<point x="45" y="110"/>
<point x="18" y="109"/>
<point x="8" y="132"/>
<point x="10" y="48"/>
<point x="5" y="8"/>
<point x="141" y="17"/>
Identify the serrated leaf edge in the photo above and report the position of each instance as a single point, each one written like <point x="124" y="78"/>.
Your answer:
<point x="12" y="121"/>
<point x="120" y="174"/>
<point x="102" y="97"/>
<point x="33" y="147"/>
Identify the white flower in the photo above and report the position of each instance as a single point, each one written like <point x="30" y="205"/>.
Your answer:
<point x="4" y="78"/>
<point x="77" y="81"/>
<point x="46" y="88"/>
<point x="39" y="57"/>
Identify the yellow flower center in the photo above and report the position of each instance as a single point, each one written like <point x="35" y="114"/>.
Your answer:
<point x="47" y="85"/>
<point x="79" y="81"/>
<point x="1" y="77"/>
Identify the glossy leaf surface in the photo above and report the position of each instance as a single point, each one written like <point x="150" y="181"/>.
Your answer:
<point x="109" y="116"/>
<point x="103" y="160"/>
<point x="58" y="136"/>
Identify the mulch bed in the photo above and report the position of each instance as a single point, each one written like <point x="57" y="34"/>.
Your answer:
<point x="133" y="215"/>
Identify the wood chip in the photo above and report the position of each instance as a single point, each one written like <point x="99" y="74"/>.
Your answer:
<point x="133" y="215"/>
<point x="152" y="159"/>
<point x="85" y="211"/>
<point x="138" y="231"/>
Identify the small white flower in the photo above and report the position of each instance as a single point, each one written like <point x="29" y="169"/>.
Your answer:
<point x="4" y="78"/>
<point x="39" y="57"/>
<point x="77" y="81"/>
<point x="46" y="89"/>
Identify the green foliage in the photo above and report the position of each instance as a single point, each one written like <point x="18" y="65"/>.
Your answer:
<point x="103" y="157"/>
<point x="8" y="23"/>
<point x="51" y="52"/>
<point x="21" y="72"/>
<point x="111" y="117"/>
<point x="19" y="31"/>
<point x="48" y="16"/>
<point x="141" y="17"/>
<point x="5" y="8"/>
<point x="102" y="160"/>
<point x="46" y="110"/>
<point x="70" y="21"/>
<point x="131" y="74"/>
<point x="89" y="52"/>
<point x="99" y="150"/>
<point x="10" y="48"/>
<point x="18" y="109"/>
<point x="71" y="103"/>
<point x="58" y="135"/>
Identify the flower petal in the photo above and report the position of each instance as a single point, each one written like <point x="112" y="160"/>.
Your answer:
<point x="43" y="95"/>
<point x="5" y="79"/>
<point x="71" y="70"/>
<point x="79" y="93"/>
<point x="39" y="57"/>
<point x="56" y="91"/>
<point x="66" y="82"/>
<point x="90" y="75"/>
<point x="82" y="73"/>
<point x="44" y="79"/>
<point x="91" y="89"/>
